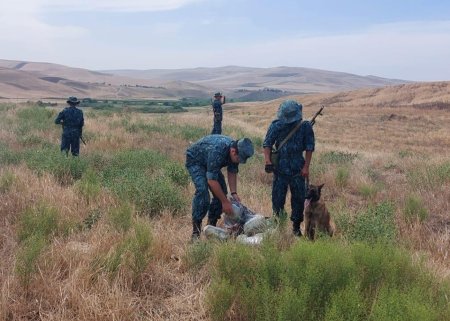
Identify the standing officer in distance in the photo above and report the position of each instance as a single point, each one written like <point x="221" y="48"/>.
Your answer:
<point x="217" y="103"/>
<point x="72" y="120"/>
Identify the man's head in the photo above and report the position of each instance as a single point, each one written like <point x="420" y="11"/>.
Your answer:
<point x="217" y="95"/>
<point x="241" y="150"/>
<point x="72" y="101"/>
<point x="289" y="111"/>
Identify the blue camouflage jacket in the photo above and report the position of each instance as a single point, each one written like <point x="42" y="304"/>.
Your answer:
<point x="217" y="109"/>
<point x="72" y="120"/>
<point x="213" y="153"/>
<point x="291" y="159"/>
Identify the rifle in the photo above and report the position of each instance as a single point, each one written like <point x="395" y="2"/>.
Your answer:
<point x="313" y="120"/>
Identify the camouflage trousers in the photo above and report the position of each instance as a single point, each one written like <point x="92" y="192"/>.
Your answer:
<point x="297" y="188"/>
<point x="70" y="142"/>
<point x="217" y="128"/>
<point x="201" y="202"/>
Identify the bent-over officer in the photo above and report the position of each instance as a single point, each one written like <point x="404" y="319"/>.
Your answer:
<point x="204" y="161"/>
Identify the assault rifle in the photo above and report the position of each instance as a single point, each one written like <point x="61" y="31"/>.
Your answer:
<point x="313" y="120"/>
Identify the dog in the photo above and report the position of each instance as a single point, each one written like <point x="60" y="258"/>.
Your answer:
<point x="317" y="217"/>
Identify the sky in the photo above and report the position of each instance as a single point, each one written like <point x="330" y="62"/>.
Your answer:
<point x="401" y="39"/>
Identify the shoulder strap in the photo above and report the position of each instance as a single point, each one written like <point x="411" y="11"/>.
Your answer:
<point x="290" y="134"/>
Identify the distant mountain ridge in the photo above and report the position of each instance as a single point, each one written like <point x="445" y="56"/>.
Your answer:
<point x="36" y="80"/>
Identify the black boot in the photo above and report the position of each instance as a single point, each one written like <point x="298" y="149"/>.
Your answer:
<point x="212" y="221"/>
<point x="196" y="230"/>
<point x="296" y="229"/>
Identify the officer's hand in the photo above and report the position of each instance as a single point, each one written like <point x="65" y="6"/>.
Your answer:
<point x="227" y="207"/>
<point x="269" y="168"/>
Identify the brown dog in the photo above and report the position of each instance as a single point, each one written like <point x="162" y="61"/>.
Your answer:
<point x="317" y="217"/>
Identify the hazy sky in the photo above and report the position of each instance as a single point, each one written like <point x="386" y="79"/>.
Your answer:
<point x="404" y="39"/>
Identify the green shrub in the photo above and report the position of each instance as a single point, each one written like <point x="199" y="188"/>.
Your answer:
<point x="340" y="158"/>
<point x="27" y="257"/>
<point x="121" y="217"/>
<point x="34" y="118"/>
<point x="8" y="156"/>
<point x="132" y="253"/>
<point x="177" y="173"/>
<point x="145" y="179"/>
<point x="50" y="160"/>
<point x="429" y="176"/>
<point x="6" y="181"/>
<point x="89" y="186"/>
<point x="198" y="254"/>
<point x="89" y="221"/>
<point x="342" y="176"/>
<point x="414" y="210"/>
<point x="368" y="191"/>
<point x="376" y="224"/>
<point x="41" y="220"/>
<point x="192" y="133"/>
<point x="322" y="280"/>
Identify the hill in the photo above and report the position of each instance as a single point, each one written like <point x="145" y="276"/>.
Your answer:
<point x="35" y="80"/>
<point x="293" y="79"/>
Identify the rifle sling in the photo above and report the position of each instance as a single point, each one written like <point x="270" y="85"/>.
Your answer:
<point x="290" y="135"/>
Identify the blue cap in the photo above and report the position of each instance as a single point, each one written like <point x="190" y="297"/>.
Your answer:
<point x="289" y="111"/>
<point x="245" y="149"/>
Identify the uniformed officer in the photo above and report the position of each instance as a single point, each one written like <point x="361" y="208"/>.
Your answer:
<point x="72" y="120"/>
<point x="204" y="161"/>
<point x="292" y="168"/>
<point x="217" y="103"/>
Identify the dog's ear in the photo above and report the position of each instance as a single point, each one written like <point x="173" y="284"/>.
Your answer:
<point x="320" y="186"/>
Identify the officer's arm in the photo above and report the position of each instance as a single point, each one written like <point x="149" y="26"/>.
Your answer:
<point x="216" y="189"/>
<point x="60" y="118"/>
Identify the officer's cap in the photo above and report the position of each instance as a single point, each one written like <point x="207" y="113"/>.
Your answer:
<point x="245" y="149"/>
<point x="289" y="111"/>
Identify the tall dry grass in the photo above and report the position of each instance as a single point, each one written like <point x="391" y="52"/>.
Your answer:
<point x="364" y="154"/>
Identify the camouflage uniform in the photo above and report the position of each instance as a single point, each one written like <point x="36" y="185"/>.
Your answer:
<point x="291" y="161"/>
<point x="73" y="121"/>
<point x="218" y="115"/>
<point x="204" y="161"/>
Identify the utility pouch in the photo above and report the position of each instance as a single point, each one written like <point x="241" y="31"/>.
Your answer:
<point x="274" y="156"/>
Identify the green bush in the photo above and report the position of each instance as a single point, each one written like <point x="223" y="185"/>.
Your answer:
<point x="368" y="191"/>
<point x="342" y="176"/>
<point x="6" y="181"/>
<point x="41" y="220"/>
<point x="89" y="186"/>
<point x="322" y="280"/>
<point x="376" y="224"/>
<point x="429" y="176"/>
<point x="8" y="156"/>
<point x="340" y="158"/>
<point x="27" y="257"/>
<point x="34" y="118"/>
<point x="198" y="254"/>
<point x="414" y="210"/>
<point x="145" y="178"/>
<point x="132" y="253"/>
<point x="177" y="173"/>
<point x="122" y="217"/>
<point x="50" y="160"/>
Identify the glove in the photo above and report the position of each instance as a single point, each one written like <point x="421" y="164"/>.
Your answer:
<point x="269" y="168"/>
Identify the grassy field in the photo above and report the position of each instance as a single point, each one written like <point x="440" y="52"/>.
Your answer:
<point x="105" y="236"/>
